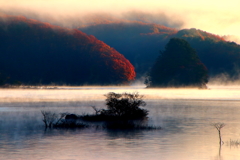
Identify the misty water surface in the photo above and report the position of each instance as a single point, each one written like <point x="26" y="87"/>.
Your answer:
<point x="184" y="115"/>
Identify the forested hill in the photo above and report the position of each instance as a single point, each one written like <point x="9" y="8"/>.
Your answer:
<point x="32" y="52"/>
<point x="218" y="55"/>
<point x="141" y="42"/>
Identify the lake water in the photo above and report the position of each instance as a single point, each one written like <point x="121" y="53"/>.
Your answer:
<point x="185" y="116"/>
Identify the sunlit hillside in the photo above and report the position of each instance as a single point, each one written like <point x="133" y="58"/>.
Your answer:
<point x="32" y="52"/>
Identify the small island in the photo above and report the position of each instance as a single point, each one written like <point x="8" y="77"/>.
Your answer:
<point x="123" y="112"/>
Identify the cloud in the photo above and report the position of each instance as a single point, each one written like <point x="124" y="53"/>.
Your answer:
<point x="218" y="17"/>
<point x="232" y="38"/>
<point x="76" y="18"/>
<point x="158" y="18"/>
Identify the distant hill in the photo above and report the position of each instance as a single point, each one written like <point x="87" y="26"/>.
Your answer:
<point x="141" y="42"/>
<point x="218" y="55"/>
<point x="32" y="52"/>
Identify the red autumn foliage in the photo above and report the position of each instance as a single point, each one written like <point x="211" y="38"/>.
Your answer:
<point x="72" y="56"/>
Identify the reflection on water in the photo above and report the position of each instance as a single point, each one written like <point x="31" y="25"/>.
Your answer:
<point x="184" y="115"/>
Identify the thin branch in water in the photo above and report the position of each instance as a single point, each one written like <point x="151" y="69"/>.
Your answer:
<point x="219" y="126"/>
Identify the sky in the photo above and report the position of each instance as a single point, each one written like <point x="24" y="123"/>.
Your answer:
<point x="221" y="17"/>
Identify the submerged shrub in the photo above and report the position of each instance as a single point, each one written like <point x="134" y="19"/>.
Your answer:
<point x="61" y="120"/>
<point x="51" y="118"/>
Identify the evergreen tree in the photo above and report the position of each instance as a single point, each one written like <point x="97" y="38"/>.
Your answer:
<point x="178" y="66"/>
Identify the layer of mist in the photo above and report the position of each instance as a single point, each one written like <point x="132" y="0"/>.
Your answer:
<point x="224" y="79"/>
<point x="95" y="94"/>
<point x="86" y="19"/>
<point x="215" y="17"/>
<point x="232" y="38"/>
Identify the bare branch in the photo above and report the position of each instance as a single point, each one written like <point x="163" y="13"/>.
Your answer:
<point x="219" y="126"/>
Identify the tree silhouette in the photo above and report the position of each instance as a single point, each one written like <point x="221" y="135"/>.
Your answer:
<point x="178" y="66"/>
<point x="126" y="105"/>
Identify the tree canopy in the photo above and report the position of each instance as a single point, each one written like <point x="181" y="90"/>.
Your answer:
<point x="178" y="66"/>
<point x="125" y="105"/>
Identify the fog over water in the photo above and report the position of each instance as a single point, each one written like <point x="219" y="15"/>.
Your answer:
<point x="89" y="93"/>
<point x="185" y="116"/>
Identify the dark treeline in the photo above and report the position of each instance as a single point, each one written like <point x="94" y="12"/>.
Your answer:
<point x="178" y="66"/>
<point x="141" y="43"/>
<point x="138" y="42"/>
<point x="32" y="52"/>
<point x="217" y="54"/>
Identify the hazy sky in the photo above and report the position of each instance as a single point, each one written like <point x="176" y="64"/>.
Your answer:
<point x="216" y="16"/>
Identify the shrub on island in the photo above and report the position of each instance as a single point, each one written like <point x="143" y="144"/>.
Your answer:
<point x="125" y="106"/>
